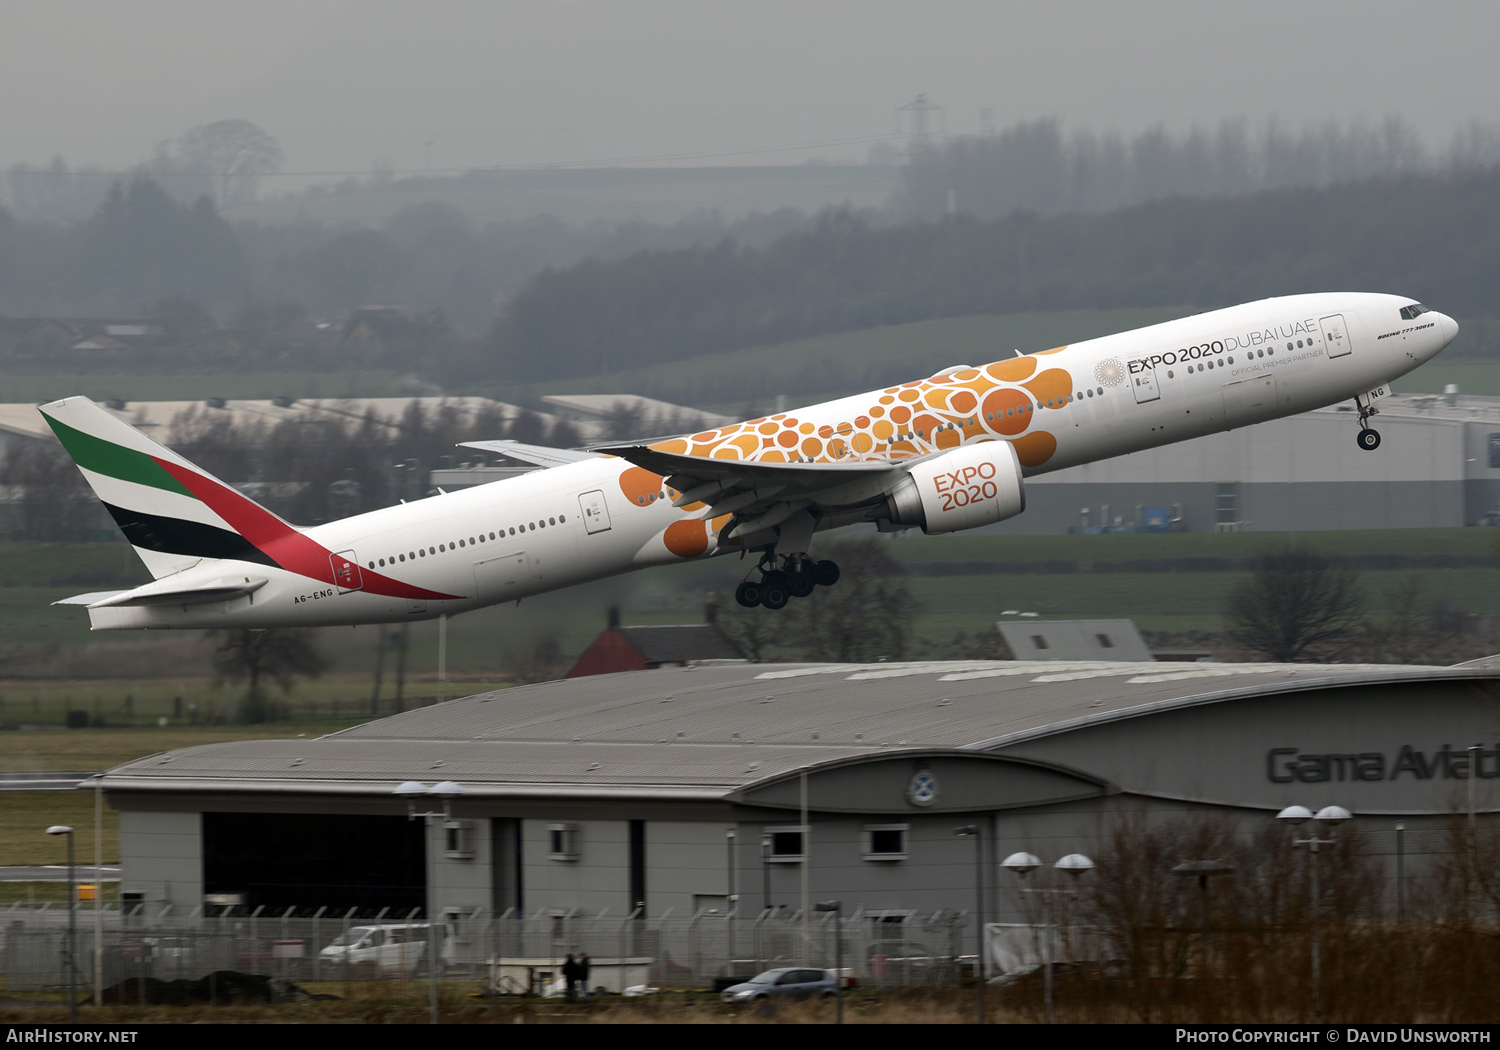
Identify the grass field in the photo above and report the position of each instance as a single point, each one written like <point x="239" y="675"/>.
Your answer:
<point x="810" y="369"/>
<point x="1472" y="377"/>
<point x="53" y="642"/>
<point x="804" y="370"/>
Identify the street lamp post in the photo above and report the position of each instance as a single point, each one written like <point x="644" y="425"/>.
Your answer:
<point x="447" y="790"/>
<point x="1023" y="864"/>
<point x="63" y="829"/>
<point x="765" y="871"/>
<point x="973" y="831"/>
<point x="838" y="954"/>
<point x="1202" y="870"/>
<point x="1332" y="816"/>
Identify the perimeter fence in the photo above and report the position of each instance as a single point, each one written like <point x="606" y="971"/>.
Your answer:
<point x="509" y="953"/>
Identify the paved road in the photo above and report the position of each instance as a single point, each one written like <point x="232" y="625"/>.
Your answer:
<point x="50" y="780"/>
<point x="55" y="873"/>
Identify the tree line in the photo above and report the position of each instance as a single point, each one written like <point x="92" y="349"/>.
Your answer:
<point x="1041" y="167"/>
<point x="1435" y="237"/>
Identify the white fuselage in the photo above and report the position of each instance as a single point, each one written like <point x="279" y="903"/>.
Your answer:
<point x="1135" y="390"/>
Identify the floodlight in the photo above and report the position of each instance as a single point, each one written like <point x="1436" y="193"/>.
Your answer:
<point x="967" y="830"/>
<point x="1333" y="815"/>
<point x="1074" y="864"/>
<point x="1022" y="863"/>
<point x="446" y="789"/>
<point x="59" y="829"/>
<point x="411" y="789"/>
<point x="1295" y="815"/>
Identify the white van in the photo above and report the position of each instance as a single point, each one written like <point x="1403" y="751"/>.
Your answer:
<point x="394" y="949"/>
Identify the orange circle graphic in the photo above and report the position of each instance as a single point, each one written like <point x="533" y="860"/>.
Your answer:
<point x="1035" y="448"/>
<point x="1000" y="402"/>
<point x="686" y="539"/>
<point x="638" y="483"/>
<point x="1012" y="371"/>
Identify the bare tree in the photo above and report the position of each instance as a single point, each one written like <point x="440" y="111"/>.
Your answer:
<point x="282" y="655"/>
<point x="1297" y="605"/>
<point x="537" y="658"/>
<point x="1404" y="634"/>
<point x="234" y="154"/>
<point x="867" y="616"/>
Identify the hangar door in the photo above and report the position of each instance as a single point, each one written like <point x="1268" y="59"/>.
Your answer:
<point x="309" y="860"/>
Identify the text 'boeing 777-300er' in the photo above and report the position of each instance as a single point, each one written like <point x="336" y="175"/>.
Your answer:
<point x="941" y="454"/>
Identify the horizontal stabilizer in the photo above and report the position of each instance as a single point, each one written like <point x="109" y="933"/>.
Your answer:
<point x="540" y="455"/>
<point x="221" y="590"/>
<point x="90" y="598"/>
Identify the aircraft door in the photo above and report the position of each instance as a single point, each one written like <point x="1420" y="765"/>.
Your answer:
<point x="1144" y="385"/>
<point x="1249" y="401"/>
<point x="346" y="574"/>
<point x="504" y="574"/>
<point x="1335" y="335"/>
<point x="595" y="513"/>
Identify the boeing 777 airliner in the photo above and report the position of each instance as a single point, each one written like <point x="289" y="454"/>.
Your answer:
<point x="941" y="454"/>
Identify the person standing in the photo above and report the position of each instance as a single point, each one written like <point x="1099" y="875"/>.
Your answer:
<point x="582" y="969"/>
<point x="570" y="974"/>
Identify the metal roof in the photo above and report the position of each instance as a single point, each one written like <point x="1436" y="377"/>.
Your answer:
<point x="705" y="732"/>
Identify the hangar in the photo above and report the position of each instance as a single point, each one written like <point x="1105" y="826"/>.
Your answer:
<point x="683" y="788"/>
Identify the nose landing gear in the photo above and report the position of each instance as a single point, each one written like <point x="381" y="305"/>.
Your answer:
<point x="1368" y="438"/>
<point x="784" y="578"/>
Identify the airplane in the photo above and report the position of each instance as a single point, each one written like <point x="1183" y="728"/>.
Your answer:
<point x="941" y="454"/>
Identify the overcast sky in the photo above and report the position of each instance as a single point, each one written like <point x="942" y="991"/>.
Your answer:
<point x="456" y="84"/>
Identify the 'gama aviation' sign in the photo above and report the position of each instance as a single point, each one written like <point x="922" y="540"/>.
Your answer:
<point x="1285" y="765"/>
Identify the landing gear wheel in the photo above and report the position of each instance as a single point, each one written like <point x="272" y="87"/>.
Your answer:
<point x="748" y="594"/>
<point x="775" y="590"/>
<point x="1368" y="439"/>
<point x="827" y="573"/>
<point x="802" y="578"/>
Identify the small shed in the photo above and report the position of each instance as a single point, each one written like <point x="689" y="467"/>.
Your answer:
<point x="1073" y="640"/>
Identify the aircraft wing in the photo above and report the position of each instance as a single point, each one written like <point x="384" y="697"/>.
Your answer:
<point x="800" y="476"/>
<point x="759" y="496"/>
<point x="539" y="455"/>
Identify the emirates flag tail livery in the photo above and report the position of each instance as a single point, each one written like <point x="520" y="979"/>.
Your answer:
<point x="941" y="454"/>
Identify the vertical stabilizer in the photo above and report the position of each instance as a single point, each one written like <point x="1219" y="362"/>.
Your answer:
<point x="174" y="514"/>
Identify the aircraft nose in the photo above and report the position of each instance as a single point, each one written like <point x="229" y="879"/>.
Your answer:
<point x="1448" y="326"/>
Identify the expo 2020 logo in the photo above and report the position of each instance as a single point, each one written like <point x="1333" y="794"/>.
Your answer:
<point x="922" y="789"/>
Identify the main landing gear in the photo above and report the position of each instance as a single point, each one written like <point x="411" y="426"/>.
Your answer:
<point x="1369" y="438"/>
<point x="782" y="579"/>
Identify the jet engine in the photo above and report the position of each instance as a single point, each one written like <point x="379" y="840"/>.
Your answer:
<point x="963" y="488"/>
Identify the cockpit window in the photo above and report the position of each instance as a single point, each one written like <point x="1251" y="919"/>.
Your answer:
<point x="1415" y="310"/>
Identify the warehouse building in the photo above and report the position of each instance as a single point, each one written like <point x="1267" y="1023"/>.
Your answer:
<point x="1438" y="465"/>
<point x="682" y="788"/>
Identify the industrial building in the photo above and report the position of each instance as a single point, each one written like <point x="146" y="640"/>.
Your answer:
<point x="1438" y="465"/>
<point x="682" y="788"/>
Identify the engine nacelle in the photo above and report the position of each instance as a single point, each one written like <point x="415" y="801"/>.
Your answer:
<point x="965" y="488"/>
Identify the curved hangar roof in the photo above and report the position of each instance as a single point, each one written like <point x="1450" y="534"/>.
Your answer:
<point x="734" y="732"/>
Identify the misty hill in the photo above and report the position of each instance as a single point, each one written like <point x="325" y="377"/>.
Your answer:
<point x="1435" y="237"/>
<point x="580" y="196"/>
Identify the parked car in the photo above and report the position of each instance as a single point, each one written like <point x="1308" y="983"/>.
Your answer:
<point x="784" y="982"/>
<point x="392" y="949"/>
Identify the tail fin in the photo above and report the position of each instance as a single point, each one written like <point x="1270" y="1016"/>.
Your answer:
<point x="174" y="514"/>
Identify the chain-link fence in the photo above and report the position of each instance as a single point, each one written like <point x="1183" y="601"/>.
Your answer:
<point x="510" y="953"/>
